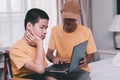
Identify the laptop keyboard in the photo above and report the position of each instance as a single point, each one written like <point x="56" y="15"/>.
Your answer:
<point x="61" y="67"/>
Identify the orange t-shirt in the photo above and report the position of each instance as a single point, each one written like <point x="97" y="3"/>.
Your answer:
<point x="20" y="54"/>
<point x="63" y="42"/>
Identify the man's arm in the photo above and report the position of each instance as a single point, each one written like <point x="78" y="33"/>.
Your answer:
<point x="50" y="55"/>
<point x="89" y="57"/>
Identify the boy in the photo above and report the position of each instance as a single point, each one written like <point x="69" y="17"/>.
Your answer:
<point x="28" y="58"/>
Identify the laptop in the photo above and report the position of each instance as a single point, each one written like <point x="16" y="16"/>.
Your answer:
<point x="78" y="54"/>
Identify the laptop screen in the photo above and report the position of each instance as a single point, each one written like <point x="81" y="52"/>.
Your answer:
<point x="78" y="54"/>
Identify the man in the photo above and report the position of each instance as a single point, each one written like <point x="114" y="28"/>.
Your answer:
<point x="64" y="37"/>
<point x="28" y="58"/>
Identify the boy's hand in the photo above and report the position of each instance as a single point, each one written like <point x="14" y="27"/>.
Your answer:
<point x="31" y="38"/>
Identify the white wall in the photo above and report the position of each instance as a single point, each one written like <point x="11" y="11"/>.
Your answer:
<point x="103" y="12"/>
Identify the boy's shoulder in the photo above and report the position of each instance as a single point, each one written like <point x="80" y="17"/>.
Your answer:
<point x="19" y="44"/>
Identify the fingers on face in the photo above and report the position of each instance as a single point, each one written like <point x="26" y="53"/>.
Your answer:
<point x="29" y="36"/>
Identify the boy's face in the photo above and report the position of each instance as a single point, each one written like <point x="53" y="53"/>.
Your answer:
<point x="39" y="28"/>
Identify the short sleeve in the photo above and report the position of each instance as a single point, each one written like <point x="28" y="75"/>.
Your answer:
<point x="19" y="58"/>
<point x="91" y="47"/>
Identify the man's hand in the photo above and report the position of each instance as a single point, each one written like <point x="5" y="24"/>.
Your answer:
<point x="88" y="58"/>
<point x="83" y="62"/>
<point x="59" y="61"/>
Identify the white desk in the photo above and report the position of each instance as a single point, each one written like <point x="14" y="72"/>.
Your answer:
<point x="104" y="70"/>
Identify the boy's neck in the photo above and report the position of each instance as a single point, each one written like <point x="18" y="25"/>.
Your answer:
<point x="28" y="42"/>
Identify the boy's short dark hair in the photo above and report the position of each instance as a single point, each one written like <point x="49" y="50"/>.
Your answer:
<point x="33" y="16"/>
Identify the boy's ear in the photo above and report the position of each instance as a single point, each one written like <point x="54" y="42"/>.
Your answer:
<point x="29" y="26"/>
